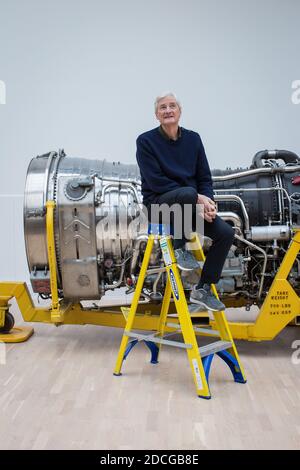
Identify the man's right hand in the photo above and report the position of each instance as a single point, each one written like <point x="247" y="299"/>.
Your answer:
<point x="209" y="207"/>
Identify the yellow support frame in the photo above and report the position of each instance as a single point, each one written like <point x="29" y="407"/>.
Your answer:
<point x="274" y="314"/>
<point x="281" y="305"/>
<point x="57" y="314"/>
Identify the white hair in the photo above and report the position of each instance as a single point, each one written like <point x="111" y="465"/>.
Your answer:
<point x="164" y="95"/>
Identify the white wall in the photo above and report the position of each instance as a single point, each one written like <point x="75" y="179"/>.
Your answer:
<point x="82" y="75"/>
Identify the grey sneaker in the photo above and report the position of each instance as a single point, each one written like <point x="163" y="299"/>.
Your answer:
<point x="206" y="298"/>
<point x="186" y="261"/>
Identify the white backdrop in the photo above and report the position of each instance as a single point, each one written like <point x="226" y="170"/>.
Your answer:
<point x="83" y="75"/>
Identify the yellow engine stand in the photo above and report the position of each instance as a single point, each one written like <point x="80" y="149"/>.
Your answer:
<point x="281" y="306"/>
<point x="16" y="334"/>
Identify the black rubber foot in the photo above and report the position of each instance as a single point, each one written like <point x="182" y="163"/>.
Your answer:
<point x="8" y="323"/>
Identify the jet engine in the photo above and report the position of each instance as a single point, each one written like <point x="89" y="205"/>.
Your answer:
<point x="101" y="232"/>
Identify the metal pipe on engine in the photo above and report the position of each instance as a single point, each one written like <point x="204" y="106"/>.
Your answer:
<point x="258" y="248"/>
<point x="235" y="198"/>
<point x="269" y="233"/>
<point x="232" y="217"/>
<point x="257" y="171"/>
<point x="262" y="189"/>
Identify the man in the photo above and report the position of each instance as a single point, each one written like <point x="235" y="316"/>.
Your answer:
<point x="174" y="170"/>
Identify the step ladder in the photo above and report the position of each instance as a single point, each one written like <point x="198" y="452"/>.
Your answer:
<point x="200" y="358"/>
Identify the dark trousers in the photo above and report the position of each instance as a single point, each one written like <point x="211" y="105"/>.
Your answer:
<point x="221" y="233"/>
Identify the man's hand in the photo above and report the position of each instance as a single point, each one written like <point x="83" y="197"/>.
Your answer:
<point x="209" y="207"/>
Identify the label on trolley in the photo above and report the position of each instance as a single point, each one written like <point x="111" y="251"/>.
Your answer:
<point x="165" y="251"/>
<point x="197" y="374"/>
<point x="174" y="284"/>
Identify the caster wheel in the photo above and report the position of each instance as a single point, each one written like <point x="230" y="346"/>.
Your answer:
<point x="8" y="324"/>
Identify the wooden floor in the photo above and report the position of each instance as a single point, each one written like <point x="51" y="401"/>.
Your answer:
<point x="58" y="392"/>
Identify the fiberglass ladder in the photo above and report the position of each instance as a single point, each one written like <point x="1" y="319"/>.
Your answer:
<point x="200" y="358"/>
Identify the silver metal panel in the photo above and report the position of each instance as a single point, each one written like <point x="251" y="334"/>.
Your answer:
<point x="80" y="279"/>
<point x="77" y="242"/>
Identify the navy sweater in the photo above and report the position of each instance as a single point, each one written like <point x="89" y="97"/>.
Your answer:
<point x="167" y="164"/>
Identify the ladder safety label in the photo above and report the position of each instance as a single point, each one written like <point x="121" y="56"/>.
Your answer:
<point x="166" y="252"/>
<point x="174" y="284"/>
<point x="197" y="374"/>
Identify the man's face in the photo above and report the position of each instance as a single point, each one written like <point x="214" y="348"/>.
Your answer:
<point x="168" y="111"/>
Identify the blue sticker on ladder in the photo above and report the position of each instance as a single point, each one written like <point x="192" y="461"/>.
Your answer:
<point x="174" y="284"/>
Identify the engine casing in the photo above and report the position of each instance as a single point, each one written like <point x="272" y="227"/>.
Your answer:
<point x="101" y="233"/>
